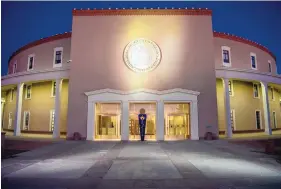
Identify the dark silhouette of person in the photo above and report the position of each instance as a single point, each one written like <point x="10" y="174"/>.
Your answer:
<point x="142" y="123"/>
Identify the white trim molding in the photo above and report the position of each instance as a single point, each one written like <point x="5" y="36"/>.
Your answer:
<point x="142" y="95"/>
<point x="248" y="75"/>
<point x="35" y="75"/>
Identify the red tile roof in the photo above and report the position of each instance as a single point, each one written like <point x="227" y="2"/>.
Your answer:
<point x="243" y="40"/>
<point x="148" y="11"/>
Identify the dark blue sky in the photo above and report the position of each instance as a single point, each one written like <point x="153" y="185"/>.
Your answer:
<point x="24" y="22"/>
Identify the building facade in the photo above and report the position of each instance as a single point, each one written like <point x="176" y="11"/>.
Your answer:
<point x="94" y="80"/>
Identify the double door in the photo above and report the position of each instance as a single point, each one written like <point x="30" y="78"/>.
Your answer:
<point x="150" y="129"/>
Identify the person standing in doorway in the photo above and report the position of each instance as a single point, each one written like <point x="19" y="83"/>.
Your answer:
<point x="142" y="123"/>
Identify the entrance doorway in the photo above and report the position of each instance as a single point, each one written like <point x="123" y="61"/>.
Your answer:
<point x="150" y="130"/>
<point x="108" y="121"/>
<point x="177" y="121"/>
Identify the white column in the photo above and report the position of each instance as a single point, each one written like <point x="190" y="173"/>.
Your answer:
<point x="194" y="131"/>
<point x="225" y="82"/>
<point x="56" y="132"/>
<point x="17" y="129"/>
<point x="125" y="121"/>
<point x="160" y="121"/>
<point x="266" y="111"/>
<point x="91" y="120"/>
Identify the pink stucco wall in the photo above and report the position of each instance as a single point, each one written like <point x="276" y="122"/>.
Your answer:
<point x="186" y="43"/>
<point x="240" y="56"/>
<point x="44" y="54"/>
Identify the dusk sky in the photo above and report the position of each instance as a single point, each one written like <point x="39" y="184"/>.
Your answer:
<point x="24" y="22"/>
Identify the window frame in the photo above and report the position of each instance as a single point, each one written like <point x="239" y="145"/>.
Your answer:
<point x="272" y="93"/>
<point x="256" y="62"/>
<point x="257" y="121"/>
<point x="50" y="121"/>
<point x="10" y="117"/>
<point x="15" y="66"/>
<point x="54" y="58"/>
<point x="274" y="120"/>
<point x="232" y="111"/>
<point x="28" y="61"/>
<point x="230" y="88"/>
<point x="53" y="89"/>
<point x="12" y="95"/>
<point x="257" y="90"/>
<point x="269" y="66"/>
<point x="24" y="119"/>
<point x="26" y="91"/>
<point x="229" y="56"/>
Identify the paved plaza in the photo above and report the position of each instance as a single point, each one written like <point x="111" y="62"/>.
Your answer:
<point x="136" y="165"/>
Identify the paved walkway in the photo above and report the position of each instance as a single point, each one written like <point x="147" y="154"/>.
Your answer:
<point x="136" y="165"/>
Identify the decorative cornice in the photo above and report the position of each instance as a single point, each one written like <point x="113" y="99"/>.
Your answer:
<point x="245" y="41"/>
<point x="131" y="12"/>
<point x="41" y="41"/>
<point x="34" y="72"/>
<point x="249" y="71"/>
<point x="156" y="92"/>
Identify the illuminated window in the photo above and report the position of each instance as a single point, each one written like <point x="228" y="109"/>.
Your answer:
<point x="26" y="120"/>
<point x="258" y="119"/>
<point x="30" y="63"/>
<point x="54" y="86"/>
<point x="52" y="120"/>
<point x="28" y="92"/>
<point x="253" y="61"/>
<point x="58" y="55"/>
<point x="256" y="90"/>
<point x="226" y="60"/>
<point x="10" y="120"/>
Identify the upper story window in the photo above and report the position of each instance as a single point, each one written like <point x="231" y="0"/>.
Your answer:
<point x="256" y="90"/>
<point x="253" y="60"/>
<point x="269" y="66"/>
<point x="226" y="60"/>
<point x="58" y="55"/>
<point x="272" y="93"/>
<point x="54" y="86"/>
<point x="230" y="88"/>
<point x="15" y="65"/>
<point x="30" y="63"/>
<point x="28" y="92"/>
<point x="12" y="95"/>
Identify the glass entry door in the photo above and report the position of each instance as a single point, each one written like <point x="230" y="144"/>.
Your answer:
<point x="150" y="129"/>
<point x="177" y="121"/>
<point x="108" y="121"/>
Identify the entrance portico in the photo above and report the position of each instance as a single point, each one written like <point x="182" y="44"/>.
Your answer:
<point x="124" y="98"/>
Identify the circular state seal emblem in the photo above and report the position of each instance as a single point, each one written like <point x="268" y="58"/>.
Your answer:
<point x="142" y="55"/>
